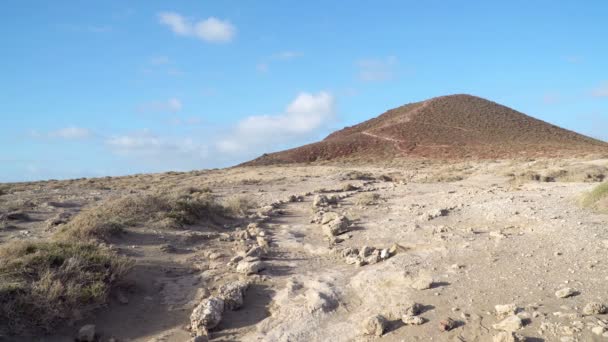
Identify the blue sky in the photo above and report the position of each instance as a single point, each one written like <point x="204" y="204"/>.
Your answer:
<point x="95" y="88"/>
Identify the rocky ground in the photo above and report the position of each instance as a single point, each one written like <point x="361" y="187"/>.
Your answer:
<point x="416" y="252"/>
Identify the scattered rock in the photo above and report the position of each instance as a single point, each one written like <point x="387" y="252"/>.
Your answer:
<point x="595" y="308"/>
<point x="447" y="324"/>
<point x="412" y="309"/>
<point x="505" y="310"/>
<point x="508" y="336"/>
<point x="320" y="201"/>
<point x="565" y="293"/>
<point x="422" y="283"/>
<point x="233" y="293"/>
<point x="250" y="267"/>
<point x="375" y="325"/>
<point x="412" y="320"/>
<point x="511" y="323"/>
<point x="598" y="330"/>
<point x="87" y="333"/>
<point x="336" y="227"/>
<point x="436" y="213"/>
<point x="207" y="315"/>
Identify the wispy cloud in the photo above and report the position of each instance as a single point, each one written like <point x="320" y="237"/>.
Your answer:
<point x="377" y="70"/>
<point x="264" y="65"/>
<point x="66" y="133"/>
<point x="303" y="116"/>
<point x="146" y="147"/>
<point x="286" y="55"/>
<point x="600" y="91"/>
<point x="159" y="60"/>
<point x="170" y="105"/>
<point x="211" y="30"/>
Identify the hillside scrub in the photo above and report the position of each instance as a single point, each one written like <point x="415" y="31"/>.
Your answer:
<point x="165" y="210"/>
<point x="45" y="283"/>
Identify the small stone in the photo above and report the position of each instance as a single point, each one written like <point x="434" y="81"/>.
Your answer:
<point x="201" y="338"/>
<point x="598" y="330"/>
<point x="511" y="323"/>
<point x="375" y="325"/>
<point x="384" y="254"/>
<point x="250" y="267"/>
<point x="412" y="309"/>
<point x="393" y="250"/>
<point x="447" y="324"/>
<point x="503" y="310"/>
<point x="366" y="251"/>
<point x="422" y="283"/>
<point x="87" y="333"/>
<point x="564" y="293"/>
<point x="412" y="320"/>
<point x="508" y="336"/>
<point x="595" y="308"/>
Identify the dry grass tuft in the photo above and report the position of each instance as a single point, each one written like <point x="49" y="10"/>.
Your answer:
<point x="44" y="283"/>
<point x="239" y="205"/>
<point x="597" y="198"/>
<point x="182" y="207"/>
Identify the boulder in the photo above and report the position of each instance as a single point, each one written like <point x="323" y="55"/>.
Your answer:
<point x="207" y="315"/>
<point x="233" y="293"/>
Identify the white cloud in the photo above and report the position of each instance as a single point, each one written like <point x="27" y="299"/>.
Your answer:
<point x="171" y="105"/>
<point x="377" y="70"/>
<point x="303" y="116"/>
<point x="178" y="24"/>
<point x="601" y="91"/>
<point x="67" y="133"/>
<point x="282" y="56"/>
<point x="147" y="144"/>
<point x="211" y="30"/>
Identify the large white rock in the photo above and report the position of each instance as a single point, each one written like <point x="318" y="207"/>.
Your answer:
<point x="207" y="315"/>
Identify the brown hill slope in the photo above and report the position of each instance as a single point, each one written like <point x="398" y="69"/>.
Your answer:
<point x="454" y="126"/>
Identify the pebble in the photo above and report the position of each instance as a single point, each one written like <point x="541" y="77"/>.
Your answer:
<point x="595" y="308"/>
<point x="375" y="325"/>
<point x="564" y="293"/>
<point x="86" y="333"/>
<point x="447" y="324"/>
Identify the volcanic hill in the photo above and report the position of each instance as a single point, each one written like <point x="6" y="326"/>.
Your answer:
<point x="446" y="127"/>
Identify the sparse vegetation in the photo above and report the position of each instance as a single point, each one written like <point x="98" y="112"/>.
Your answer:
<point x="597" y="198"/>
<point x="175" y="209"/>
<point x="44" y="283"/>
<point x="239" y="205"/>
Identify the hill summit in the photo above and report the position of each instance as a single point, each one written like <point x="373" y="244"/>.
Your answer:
<point x="445" y="127"/>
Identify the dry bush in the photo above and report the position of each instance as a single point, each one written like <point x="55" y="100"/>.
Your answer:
<point x="597" y="198"/>
<point x="357" y="175"/>
<point x="239" y="205"/>
<point x="45" y="283"/>
<point x="368" y="198"/>
<point x="174" y="209"/>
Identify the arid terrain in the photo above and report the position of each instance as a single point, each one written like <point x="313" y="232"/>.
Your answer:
<point x="457" y="240"/>
<point x="403" y="229"/>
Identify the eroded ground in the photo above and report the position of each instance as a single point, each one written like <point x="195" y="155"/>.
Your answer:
<point x="480" y="236"/>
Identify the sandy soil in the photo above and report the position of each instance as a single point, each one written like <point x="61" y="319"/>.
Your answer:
<point x="484" y="240"/>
